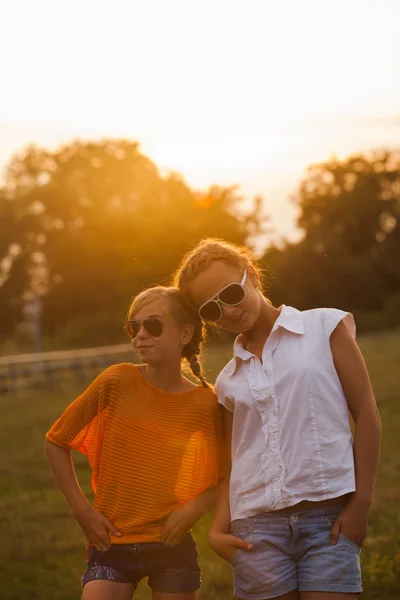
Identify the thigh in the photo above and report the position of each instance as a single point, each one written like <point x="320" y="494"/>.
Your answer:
<point x="113" y="571"/>
<point x="327" y="596"/>
<point x="174" y="571"/>
<point x="102" y="589"/>
<point x="268" y="571"/>
<point x="290" y="596"/>
<point x="326" y="571"/>
<point x="172" y="596"/>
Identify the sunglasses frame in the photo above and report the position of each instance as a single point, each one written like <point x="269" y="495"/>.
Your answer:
<point x="217" y="301"/>
<point x="142" y="324"/>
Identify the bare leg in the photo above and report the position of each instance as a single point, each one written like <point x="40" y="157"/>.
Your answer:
<point x="294" y="595"/>
<point x="101" y="589"/>
<point x="178" y="596"/>
<point x="327" y="596"/>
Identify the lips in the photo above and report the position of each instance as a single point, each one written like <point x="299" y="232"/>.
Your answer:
<point x="237" y="319"/>
<point x="140" y="348"/>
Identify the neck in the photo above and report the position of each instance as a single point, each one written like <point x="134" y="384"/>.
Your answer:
<point x="261" y="329"/>
<point x="164" y="377"/>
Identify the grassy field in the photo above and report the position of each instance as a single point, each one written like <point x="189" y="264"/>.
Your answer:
<point x="41" y="547"/>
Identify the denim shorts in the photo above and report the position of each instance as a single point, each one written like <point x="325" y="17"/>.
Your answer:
<point x="170" y="569"/>
<point x="292" y="550"/>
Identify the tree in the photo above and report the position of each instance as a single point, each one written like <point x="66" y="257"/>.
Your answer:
<point x="96" y="222"/>
<point x="350" y="251"/>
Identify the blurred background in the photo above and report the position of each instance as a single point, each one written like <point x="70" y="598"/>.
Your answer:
<point x="131" y="130"/>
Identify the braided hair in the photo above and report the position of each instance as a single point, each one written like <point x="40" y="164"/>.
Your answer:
<point x="192" y="350"/>
<point x="184" y="313"/>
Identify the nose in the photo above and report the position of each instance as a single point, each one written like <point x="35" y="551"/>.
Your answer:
<point x="142" y="333"/>
<point x="228" y="311"/>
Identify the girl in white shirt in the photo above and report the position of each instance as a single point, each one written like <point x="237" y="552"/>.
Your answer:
<point x="293" y="517"/>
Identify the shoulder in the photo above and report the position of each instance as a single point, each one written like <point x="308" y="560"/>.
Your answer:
<point x="207" y="395"/>
<point x="115" y="374"/>
<point x="225" y="385"/>
<point x="225" y="375"/>
<point x="325" y="320"/>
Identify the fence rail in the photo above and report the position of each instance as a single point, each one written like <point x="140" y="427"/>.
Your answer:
<point x="20" y="371"/>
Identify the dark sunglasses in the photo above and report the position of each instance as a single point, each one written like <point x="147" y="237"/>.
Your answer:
<point x="230" y="295"/>
<point x="153" y="326"/>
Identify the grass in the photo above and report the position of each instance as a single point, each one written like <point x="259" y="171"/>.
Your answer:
<point x="41" y="547"/>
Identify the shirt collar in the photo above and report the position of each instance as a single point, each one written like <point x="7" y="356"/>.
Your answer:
<point x="290" y="319"/>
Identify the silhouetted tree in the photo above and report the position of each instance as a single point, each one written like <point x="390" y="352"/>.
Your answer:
<point x="350" y="251"/>
<point x="96" y="222"/>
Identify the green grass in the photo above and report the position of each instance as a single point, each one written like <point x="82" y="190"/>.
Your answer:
<point x="41" y="547"/>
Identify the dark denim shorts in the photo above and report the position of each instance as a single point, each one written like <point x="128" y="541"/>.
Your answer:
<point x="170" y="569"/>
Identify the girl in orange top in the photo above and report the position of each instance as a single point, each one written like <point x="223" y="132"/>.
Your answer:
<point x="154" y="443"/>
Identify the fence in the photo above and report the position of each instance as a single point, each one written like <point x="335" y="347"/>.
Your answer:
<point x="25" y="370"/>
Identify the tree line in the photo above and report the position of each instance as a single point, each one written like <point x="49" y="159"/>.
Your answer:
<point x="89" y="225"/>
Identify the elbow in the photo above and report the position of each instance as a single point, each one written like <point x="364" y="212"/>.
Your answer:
<point x="376" y="421"/>
<point x="370" y="423"/>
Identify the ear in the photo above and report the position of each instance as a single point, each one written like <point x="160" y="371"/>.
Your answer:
<point x="187" y="333"/>
<point x="253" y="276"/>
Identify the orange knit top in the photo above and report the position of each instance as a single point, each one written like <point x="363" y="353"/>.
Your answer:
<point x="149" y="450"/>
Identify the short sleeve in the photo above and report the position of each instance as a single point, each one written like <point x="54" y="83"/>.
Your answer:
<point x="226" y="402"/>
<point x="82" y="423"/>
<point x="331" y="317"/>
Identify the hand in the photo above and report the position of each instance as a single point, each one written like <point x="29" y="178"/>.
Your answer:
<point x="96" y="528"/>
<point x="352" y="522"/>
<point x="179" y="522"/>
<point x="225" y="544"/>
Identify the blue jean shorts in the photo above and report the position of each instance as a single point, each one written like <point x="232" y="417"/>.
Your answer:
<point x="292" y="550"/>
<point x="170" y="569"/>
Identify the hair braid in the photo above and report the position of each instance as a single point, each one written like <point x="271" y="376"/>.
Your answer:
<point x="184" y="312"/>
<point x="192" y="351"/>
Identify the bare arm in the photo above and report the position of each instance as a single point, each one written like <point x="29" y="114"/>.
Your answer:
<point x="61" y="465"/>
<point x="94" y="525"/>
<point x="356" y="384"/>
<point x="221" y="541"/>
<point x="222" y="517"/>
<point x="182" y="518"/>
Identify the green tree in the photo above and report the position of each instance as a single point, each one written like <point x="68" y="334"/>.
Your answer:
<point x="96" y="222"/>
<point x="349" y="255"/>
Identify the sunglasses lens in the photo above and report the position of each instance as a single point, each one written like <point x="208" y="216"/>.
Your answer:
<point x="210" y="312"/>
<point x="233" y="294"/>
<point x="132" y="328"/>
<point x="153" y="326"/>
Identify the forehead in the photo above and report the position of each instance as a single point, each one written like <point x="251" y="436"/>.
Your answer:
<point x="159" y="307"/>
<point x="210" y="281"/>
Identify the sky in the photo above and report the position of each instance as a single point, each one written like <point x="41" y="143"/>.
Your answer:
<point x="244" y="92"/>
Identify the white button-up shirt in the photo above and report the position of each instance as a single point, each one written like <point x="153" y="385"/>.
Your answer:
<point x="291" y="437"/>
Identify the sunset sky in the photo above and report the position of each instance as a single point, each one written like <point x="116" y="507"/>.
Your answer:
<point x="247" y="92"/>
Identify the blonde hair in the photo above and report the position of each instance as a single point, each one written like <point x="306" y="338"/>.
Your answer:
<point x="208" y="251"/>
<point x="183" y="312"/>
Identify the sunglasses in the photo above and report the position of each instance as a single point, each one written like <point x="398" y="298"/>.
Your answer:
<point x="230" y="295"/>
<point x="153" y="326"/>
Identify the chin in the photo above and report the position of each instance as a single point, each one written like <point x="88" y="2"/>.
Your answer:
<point x="145" y="357"/>
<point x="248" y="324"/>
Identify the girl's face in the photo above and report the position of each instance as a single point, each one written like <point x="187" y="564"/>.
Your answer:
<point x="166" y="347"/>
<point x="211" y="281"/>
